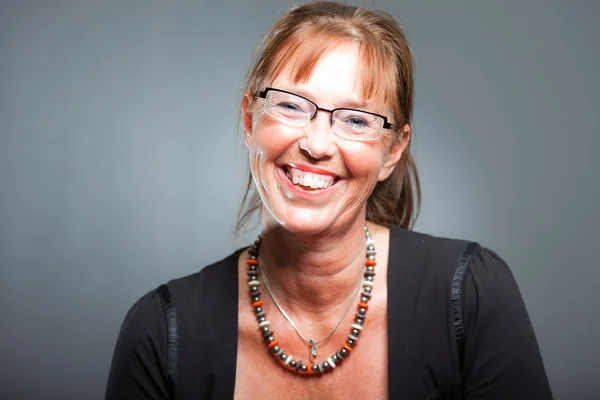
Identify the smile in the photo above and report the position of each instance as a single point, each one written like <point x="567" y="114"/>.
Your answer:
<point x="312" y="180"/>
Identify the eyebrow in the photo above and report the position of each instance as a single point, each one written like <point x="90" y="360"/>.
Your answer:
<point x="345" y="103"/>
<point x="360" y="104"/>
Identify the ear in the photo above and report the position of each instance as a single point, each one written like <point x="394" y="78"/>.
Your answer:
<point x="247" y="102"/>
<point x="395" y="153"/>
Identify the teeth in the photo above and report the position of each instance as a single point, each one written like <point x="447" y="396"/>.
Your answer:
<point x="310" y="181"/>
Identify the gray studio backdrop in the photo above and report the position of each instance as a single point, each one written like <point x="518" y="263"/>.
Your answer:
<point x="121" y="165"/>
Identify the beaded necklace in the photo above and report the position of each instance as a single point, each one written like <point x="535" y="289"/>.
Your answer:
<point x="330" y="363"/>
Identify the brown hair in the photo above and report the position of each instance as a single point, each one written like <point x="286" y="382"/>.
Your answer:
<point x="388" y="67"/>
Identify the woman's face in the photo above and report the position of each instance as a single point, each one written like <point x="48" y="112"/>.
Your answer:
<point x="287" y="161"/>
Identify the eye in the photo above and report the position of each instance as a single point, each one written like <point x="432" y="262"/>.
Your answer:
<point x="356" y="122"/>
<point x="289" y="107"/>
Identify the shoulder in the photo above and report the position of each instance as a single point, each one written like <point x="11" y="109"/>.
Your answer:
<point x="215" y="282"/>
<point x="147" y="313"/>
<point x="443" y="252"/>
<point x="144" y="316"/>
<point x="441" y="263"/>
<point x="428" y="256"/>
<point x="461" y="270"/>
<point x="416" y="242"/>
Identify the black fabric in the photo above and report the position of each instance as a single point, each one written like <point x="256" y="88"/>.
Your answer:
<point x="456" y="301"/>
<point x="501" y="356"/>
<point x="172" y="339"/>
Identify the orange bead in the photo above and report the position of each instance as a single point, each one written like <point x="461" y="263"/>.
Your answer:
<point x="344" y="345"/>
<point x="257" y="304"/>
<point x="363" y="305"/>
<point x="309" y="370"/>
<point x="370" y="263"/>
<point x="273" y="343"/>
<point x="252" y="262"/>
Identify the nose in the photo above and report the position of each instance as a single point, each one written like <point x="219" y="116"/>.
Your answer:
<point x="319" y="141"/>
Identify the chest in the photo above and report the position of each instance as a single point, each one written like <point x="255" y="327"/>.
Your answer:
<point x="363" y="374"/>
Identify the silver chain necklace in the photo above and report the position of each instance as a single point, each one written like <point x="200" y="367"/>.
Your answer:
<point x="313" y="344"/>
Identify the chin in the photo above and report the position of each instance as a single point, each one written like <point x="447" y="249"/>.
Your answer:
<point x="302" y="221"/>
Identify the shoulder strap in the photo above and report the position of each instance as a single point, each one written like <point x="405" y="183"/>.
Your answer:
<point x="171" y="318"/>
<point x="456" y="300"/>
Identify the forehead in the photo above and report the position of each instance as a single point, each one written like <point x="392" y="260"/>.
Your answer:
<point x="336" y="73"/>
<point x="337" y="76"/>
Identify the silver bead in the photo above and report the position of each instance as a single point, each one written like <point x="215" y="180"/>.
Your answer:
<point x="258" y="310"/>
<point x="265" y="329"/>
<point x="367" y="289"/>
<point x="364" y="299"/>
<point x="369" y="268"/>
<point x="288" y="360"/>
<point x="369" y="278"/>
<point x="351" y="342"/>
<point x="325" y="365"/>
<point x="270" y="339"/>
<point x="359" y="321"/>
<point x="276" y="349"/>
<point x="262" y="319"/>
<point x="355" y="332"/>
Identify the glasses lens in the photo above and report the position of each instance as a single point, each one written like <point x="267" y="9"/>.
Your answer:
<point x="357" y="125"/>
<point x="289" y="108"/>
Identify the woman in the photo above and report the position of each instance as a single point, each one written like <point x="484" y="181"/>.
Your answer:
<point x="336" y="299"/>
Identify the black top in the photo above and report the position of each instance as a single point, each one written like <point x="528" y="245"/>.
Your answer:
<point x="501" y="356"/>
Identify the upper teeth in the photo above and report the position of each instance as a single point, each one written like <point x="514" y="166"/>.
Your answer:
<point x="313" y="181"/>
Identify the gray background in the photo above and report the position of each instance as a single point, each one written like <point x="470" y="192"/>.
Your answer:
<point x="121" y="165"/>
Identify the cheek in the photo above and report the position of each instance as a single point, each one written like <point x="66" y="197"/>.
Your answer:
<point x="270" y="138"/>
<point x="363" y="160"/>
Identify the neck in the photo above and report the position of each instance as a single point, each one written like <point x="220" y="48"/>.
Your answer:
<point x="313" y="274"/>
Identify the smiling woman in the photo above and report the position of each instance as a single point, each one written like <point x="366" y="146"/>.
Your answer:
<point x="289" y="134"/>
<point x="326" y="116"/>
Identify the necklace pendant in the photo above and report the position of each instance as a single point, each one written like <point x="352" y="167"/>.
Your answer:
<point x="313" y="350"/>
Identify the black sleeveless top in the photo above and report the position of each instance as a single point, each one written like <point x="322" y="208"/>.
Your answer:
<point x="457" y="329"/>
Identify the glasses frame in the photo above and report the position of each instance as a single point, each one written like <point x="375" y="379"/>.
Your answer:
<point x="386" y="124"/>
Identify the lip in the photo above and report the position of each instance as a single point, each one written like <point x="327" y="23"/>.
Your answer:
<point x="312" y="170"/>
<point x="303" y="193"/>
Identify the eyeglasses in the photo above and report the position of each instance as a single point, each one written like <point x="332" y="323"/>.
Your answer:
<point x="297" y="111"/>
